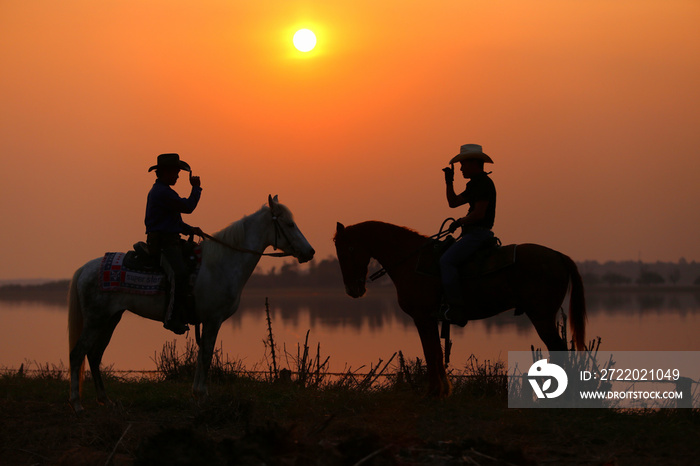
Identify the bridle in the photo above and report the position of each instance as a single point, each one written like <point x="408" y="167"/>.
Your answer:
<point x="278" y="231"/>
<point x="440" y="234"/>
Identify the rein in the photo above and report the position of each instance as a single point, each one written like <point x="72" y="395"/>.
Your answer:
<point x="440" y="234"/>
<point x="278" y="231"/>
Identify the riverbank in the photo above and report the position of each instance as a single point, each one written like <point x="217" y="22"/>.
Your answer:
<point x="249" y="421"/>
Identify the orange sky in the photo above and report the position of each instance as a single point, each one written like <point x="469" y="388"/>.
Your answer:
<point x="589" y="109"/>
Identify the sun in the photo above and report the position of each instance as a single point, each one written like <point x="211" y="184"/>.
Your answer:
<point x="304" y="40"/>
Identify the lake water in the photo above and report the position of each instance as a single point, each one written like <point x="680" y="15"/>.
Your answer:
<point x="352" y="332"/>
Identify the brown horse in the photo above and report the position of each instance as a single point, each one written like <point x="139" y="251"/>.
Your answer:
<point x="535" y="284"/>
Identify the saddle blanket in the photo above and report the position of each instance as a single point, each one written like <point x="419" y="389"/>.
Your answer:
<point x="115" y="276"/>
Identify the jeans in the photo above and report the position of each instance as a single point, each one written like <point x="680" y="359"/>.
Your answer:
<point x="457" y="255"/>
<point x="168" y="244"/>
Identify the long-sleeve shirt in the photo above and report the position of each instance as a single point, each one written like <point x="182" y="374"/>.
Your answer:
<point x="165" y="207"/>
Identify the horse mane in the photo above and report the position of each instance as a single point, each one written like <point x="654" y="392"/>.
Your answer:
<point x="234" y="234"/>
<point x="370" y="228"/>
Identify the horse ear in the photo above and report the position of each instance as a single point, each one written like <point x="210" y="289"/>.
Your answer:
<point x="339" y="227"/>
<point x="271" y="201"/>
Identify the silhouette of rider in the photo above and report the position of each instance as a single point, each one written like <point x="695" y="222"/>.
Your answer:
<point x="164" y="225"/>
<point x="480" y="194"/>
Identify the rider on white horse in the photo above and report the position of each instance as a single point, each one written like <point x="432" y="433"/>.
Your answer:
<point x="228" y="260"/>
<point x="163" y="228"/>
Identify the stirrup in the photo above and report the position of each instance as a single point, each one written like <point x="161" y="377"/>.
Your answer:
<point x="454" y="314"/>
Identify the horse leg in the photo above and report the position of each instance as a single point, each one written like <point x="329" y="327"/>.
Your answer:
<point x="76" y="358"/>
<point x="439" y="384"/>
<point x="95" y="357"/>
<point x="77" y="367"/>
<point x="90" y="335"/>
<point x="547" y="330"/>
<point x="81" y="349"/>
<point x="206" y="352"/>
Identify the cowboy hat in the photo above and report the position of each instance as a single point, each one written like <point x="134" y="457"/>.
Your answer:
<point x="170" y="161"/>
<point x="471" y="151"/>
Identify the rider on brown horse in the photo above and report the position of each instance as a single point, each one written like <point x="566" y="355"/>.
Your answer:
<point x="480" y="194"/>
<point x="163" y="228"/>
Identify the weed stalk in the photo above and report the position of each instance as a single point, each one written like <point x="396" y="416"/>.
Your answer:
<point x="271" y="341"/>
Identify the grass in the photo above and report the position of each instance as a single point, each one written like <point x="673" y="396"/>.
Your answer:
<point x="310" y="416"/>
<point x="295" y="412"/>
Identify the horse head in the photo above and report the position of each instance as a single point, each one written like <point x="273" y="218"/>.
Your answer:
<point x="353" y="260"/>
<point x="287" y="235"/>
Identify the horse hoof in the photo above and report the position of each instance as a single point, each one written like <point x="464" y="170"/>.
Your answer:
<point x="105" y="401"/>
<point x="77" y="407"/>
<point x="200" y="398"/>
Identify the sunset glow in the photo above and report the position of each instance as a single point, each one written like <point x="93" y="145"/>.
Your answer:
<point x="589" y="110"/>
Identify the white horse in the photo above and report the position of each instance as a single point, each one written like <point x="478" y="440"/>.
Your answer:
<point x="228" y="260"/>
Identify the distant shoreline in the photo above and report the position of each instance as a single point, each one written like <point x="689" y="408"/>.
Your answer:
<point x="57" y="291"/>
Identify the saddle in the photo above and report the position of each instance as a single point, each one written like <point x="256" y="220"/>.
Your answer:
<point x="142" y="258"/>
<point x="139" y="271"/>
<point x="489" y="258"/>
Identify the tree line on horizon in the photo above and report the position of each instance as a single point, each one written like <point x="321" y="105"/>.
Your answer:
<point x="611" y="273"/>
<point x="325" y="273"/>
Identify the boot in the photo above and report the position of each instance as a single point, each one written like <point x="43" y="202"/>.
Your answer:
<point x="176" y="323"/>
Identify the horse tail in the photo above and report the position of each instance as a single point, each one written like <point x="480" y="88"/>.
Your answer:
<point x="577" y="305"/>
<point x="75" y="320"/>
